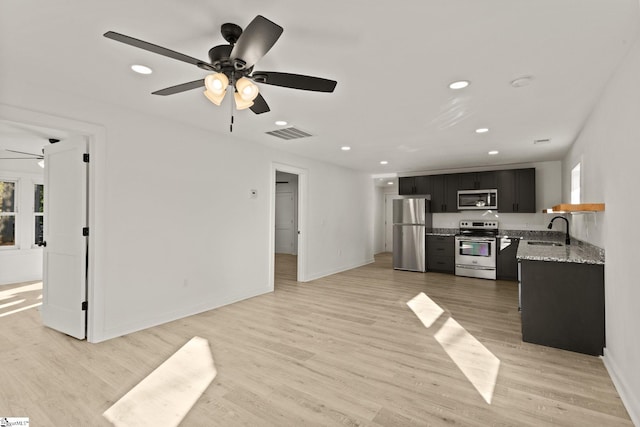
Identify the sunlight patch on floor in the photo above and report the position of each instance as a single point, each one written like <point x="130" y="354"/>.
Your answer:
<point x="19" y="292"/>
<point x="425" y="308"/>
<point x="166" y="395"/>
<point x="9" y="304"/>
<point x="476" y="362"/>
<point x="14" y="292"/>
<point x="8" y="313"/>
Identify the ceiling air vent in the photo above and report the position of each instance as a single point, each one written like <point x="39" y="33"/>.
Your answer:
<point x="289" y="133"/>
<point x="541" y="141"/>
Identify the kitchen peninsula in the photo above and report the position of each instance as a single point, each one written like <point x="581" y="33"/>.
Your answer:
<point x="562" y="295"/>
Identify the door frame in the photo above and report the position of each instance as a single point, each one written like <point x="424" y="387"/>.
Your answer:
<point x="96" y="186"/>
<point x="302" y="220"/>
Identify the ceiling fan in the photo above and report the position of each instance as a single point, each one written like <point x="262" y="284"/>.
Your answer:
<point x="232" y="66"/>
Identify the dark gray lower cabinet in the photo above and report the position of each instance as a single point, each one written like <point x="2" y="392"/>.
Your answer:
<point x="563" y="305"/>
<point x="506" y="262"/>
<point x="441" y="254"/>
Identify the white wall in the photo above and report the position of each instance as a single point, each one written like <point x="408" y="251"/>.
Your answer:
<point x="22" y="262"/>
<point x="179" y="237"/>
<point x="609" y="147"/>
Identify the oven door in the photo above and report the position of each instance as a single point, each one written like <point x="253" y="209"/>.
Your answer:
<point x="476" y="251"/>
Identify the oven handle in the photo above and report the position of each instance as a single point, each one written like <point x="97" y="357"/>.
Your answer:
<point x="474" y="267"/>
<point x="478" y="239"/>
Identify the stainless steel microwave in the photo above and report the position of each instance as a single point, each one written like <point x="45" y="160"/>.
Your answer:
<point x="477" y="199"/>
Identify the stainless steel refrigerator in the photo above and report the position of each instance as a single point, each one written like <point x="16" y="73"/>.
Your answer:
<point x="411" y="219"/>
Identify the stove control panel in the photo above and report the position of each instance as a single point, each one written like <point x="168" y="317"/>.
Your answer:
<point x="478" y="224"/>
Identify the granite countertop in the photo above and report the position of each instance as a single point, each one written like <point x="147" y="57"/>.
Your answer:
<point x="577" y="252"/>
<point x="442" y="231"/>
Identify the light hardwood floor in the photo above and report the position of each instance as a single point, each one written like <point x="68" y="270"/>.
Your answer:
<point x="342" y="350"/>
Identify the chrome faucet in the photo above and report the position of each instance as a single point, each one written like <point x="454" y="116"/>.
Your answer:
<point x="567" y="240"/>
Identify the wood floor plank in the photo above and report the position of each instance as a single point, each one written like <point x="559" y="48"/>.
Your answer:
<point x="341" y="350"/>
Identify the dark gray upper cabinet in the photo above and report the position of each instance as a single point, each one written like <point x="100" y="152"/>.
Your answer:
<point x="413" y="185"/>
<point x="477" y="180"/>
<point x="516" y="190"/>
<point x="444" y="192"/>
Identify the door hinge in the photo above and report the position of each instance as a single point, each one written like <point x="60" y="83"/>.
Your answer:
<point x="85" y="231"/>
<point x="85" y="157"/>
<point x="84" y="306"/>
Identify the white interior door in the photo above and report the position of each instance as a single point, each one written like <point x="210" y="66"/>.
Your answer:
<point x="285" y="223"/>
<point x="388" y="221"/>
<point x="65" y="209"/>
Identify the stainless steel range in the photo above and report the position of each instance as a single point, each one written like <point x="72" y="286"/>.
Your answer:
<point x="476" y="249"/>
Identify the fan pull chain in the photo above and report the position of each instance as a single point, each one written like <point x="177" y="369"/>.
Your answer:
<point x="231" y="104"/>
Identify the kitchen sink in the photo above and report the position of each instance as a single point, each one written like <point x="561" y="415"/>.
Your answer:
<point x="545" y="243"/>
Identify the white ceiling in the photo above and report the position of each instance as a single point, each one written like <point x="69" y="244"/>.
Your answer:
<point x="393" y="63"/>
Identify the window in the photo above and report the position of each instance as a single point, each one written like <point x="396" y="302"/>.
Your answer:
<point x="38" y="213"/>
<point x="575" y="184"/>
<point x="7" y="213"/>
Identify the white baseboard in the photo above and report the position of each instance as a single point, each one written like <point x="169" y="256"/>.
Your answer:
<point x="629" y="399"/>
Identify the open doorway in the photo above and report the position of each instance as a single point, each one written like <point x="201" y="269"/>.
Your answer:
<point x="286" y="227"/>
<point x="287" y="223"/>
<point x="388" y="221"/>
<point x="21" y="200"/>
<point x="93" y="138"/>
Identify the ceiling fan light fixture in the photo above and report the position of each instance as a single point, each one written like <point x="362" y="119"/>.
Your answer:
<point x="242" y="104"/>
<point x="216" y="99"/>
<point x="247" y="89"/>
<point x="216" y="83"/>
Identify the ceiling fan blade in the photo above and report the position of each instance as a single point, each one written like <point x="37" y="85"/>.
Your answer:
<point x="180" y="88"/>
<point x="35" y="156"/>
<point x="295" y="81"/>
<point x="260" y="105"/>
<point x="154" y="48"/>
<point x="256" y="40"/>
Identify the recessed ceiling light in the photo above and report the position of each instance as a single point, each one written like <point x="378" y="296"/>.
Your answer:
<point x="345" y="148"/>
<point x="493" y="152"/>
<point x="459" y="84"/>
<point x="384" y="162"/>
<point x="390" y="183"/>
<point x="482" y="130"/>
<point x="281" y="123"/>
<point x="522" y="81"/>
<point x="141" y="69"/>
